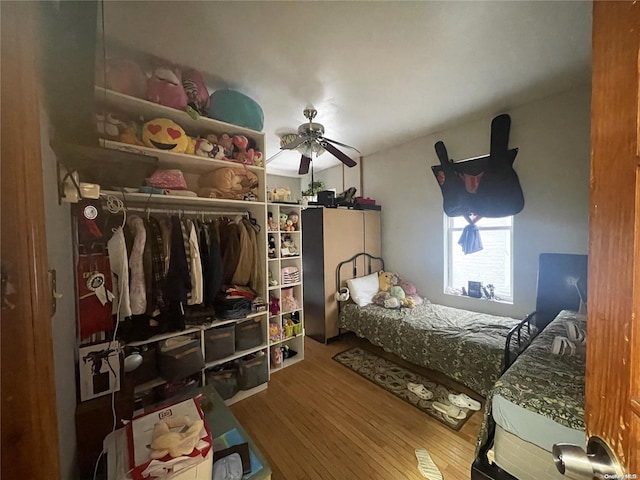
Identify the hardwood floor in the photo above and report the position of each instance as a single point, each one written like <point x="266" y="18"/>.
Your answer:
<point x="319" y="420"/>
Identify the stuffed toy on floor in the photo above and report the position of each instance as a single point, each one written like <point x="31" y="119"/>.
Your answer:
<point x="175" y="443"/>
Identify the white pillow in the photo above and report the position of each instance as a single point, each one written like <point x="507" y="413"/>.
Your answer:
<point x="363" y="289"/>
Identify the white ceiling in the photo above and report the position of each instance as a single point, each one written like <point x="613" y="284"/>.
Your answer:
<point x="379" y="73"/>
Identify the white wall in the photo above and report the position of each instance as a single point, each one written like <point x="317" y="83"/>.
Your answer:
<point x="60" y="258"/>
<point x="279" y="181"/>
<point x="339" y="178"/>
<point x="553" y="165"/>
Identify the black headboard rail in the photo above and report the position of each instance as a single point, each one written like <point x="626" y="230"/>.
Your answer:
<point x="354" y="262"/>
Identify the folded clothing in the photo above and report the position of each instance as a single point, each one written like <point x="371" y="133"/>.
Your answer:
<point x="233" y="308"/>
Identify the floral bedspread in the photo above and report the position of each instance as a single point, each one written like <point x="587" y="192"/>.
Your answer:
<point x="543" y="382"/>
<point x="466" y="346"/>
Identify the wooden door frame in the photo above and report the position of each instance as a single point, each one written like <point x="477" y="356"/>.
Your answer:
<point x="613" y="348"/>
<point x="29" y="429"/>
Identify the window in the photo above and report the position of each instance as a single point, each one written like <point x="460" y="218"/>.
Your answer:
<point x="491" y="265"/>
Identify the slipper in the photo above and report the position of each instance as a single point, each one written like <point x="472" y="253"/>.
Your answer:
<point x="575" y="333"/>
<point x="449" y="410"/>
<point x="420" y="390"/>
<point x="426" y="466"/>
<point x="464" y="401"/>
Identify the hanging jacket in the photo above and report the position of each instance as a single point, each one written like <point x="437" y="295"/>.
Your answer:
<point x="119" y="274"/>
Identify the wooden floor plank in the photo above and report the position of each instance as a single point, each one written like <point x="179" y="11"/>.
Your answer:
<point x="320" y="420"/>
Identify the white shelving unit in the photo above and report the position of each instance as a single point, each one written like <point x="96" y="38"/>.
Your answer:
<point x="192" y="167"/>
<point x="281" y="255"/>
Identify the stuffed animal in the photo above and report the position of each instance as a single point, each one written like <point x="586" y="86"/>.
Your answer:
<point x="126" y="76"/>
<point x="397" y="292"/>
<point x="241" y="152"/>
<point x="191" y="146"/>
<point x="272" y="225"/>
<point x="175" y="443"/>
<point x="275" y="332"/>
<point x="283" y="221"/>
<point x="110" y="125"/>
<point x="165" y="134"/>
<point x="203" y="147"/>
<point x="274" y="305"/>
<point x="131" y="135"/>
<point x="258" y="161"/>
<point x="272" y="246"/>
<point x="411" y="292"/>
<point x="293" y="218"/>
<point x="385" y="280"/>
<point x="392" y="302"/>
<point x="226" y="142"/>
<point x="196" y="91"/>
<point x="408" y="302"/>
<point x="380" y="297"/>
<point x="165" y="87"/>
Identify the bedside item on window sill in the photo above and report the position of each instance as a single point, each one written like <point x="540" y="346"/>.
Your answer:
<point x="475" y="289"/>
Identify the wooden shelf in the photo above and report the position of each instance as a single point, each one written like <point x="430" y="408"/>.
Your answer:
<point x="149" y="110"/>
<point x="277" y="342"/>
<point x="183" y="161"/>
<point x="235" y="356"/>
<point x="147" y="199"/>
<point x="164" y="336"/>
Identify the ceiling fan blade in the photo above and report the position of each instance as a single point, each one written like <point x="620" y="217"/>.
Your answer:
<point x="341" y="144"/>
<point x="349" y="162"/>
<point x="295" y="144"/>
<point x="304" y="165"/>
<point x="268" y="160"/>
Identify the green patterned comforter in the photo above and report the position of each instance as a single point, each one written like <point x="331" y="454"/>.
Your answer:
<point x="543" y="382"/>
<point x="466" y="346"/>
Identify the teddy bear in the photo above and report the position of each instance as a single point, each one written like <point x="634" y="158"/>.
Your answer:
<point x="283" y="221"/>
<point x="175" y="443"/>
<point x="411" y="292"/>
<point x="274" y="305"/>
<point x="385" y="280"/>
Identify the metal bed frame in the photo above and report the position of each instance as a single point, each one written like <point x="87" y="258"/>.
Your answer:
<point x="354" y="262"/>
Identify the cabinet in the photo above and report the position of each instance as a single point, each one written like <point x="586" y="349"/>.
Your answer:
<point x="224" y="347"/>
<point x="285" y="278"/>
<point x="332" y="235"/>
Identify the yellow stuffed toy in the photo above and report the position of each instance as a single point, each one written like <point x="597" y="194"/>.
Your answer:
<point x="176" y="443"/>
<point x="165" y="134"/>
<point x="385" y="280"/>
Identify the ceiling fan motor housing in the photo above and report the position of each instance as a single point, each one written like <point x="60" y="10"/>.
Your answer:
<point x="311" y="129"/>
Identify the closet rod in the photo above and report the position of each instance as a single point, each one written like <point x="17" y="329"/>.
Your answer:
<point x="174" y="211"/>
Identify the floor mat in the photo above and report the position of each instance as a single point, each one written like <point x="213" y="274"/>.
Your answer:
<point x="394" y="378"/>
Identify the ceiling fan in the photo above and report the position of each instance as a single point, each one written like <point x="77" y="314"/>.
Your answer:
<point x="310" y="139"/>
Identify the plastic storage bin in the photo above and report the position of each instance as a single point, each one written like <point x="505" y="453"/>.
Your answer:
<point x="224" y="381"/>
<point x="180" y="357"/>
<point x="249" y="334"/>
<point x="253" y="371"/>
<point x="219" y="342"/>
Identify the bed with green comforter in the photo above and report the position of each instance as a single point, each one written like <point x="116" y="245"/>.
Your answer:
<point x="466" y="346"/>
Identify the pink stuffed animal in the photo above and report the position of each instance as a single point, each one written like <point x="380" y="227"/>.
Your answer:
<point x="165" y="87"/>
<point x="241" y="153"/>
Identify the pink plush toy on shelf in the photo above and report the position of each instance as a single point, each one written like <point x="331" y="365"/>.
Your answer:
<point x="165" y="88"/>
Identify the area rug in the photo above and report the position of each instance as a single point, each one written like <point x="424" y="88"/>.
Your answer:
<point x="394" y="379"/>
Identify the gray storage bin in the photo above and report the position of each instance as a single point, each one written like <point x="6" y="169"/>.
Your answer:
<point x="219" y="342"/>
<point x="249" y="334"/>
<point x="180" y="357"/>
<point x="253" y="371"/>
<point x="224" y="381"/>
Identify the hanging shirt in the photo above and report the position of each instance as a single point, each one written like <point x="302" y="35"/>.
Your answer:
<point x="119" y="274"/>
<point x="195" y="273"/>
<point x="137" y="286"/>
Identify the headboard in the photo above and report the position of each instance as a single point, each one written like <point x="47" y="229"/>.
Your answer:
<point x="362" y="260"/>
<point x="560" y="277"/>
